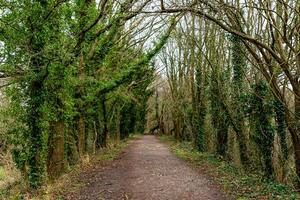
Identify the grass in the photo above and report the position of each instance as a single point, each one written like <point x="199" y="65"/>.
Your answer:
<point x="235" y="182"/>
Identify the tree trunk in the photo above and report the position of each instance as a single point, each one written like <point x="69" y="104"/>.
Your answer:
<point x="56" y="150"/>
<point x="296" y="145"/>
<point x="73" y="155"/>
<point x="118" y="131"/>
<point x="105" y="129"/>
<point x="242" y="145"/>
<point x="81" y="136"/>
<point x="295" y="134"/>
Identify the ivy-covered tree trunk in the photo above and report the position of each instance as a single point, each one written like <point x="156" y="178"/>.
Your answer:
<point x="99" y="136"/>
<point x="200" y="130"/>
<point x="262" y="112"/>
<point x="281" y="126"/>
<point x="105" y="129"/>
<point x="199" y="104"/>
<point x="200" y="111"/>
<point x="81" y="124"/>
<point x="127" y="120"/>
<point x="71" y="147"/>
<point x="239" y="71"/>
<point x="83" y="7"/>
<point x="81" y="135"/>
<point x="35" y="102"/>
<point x="35" y="134"/>
<point x="294" y="128"/>
<point x="56" y="159"/>
<point x="219" y="113"/>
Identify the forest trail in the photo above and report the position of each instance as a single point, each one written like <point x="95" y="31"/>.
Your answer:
<point x="145" y="170"/>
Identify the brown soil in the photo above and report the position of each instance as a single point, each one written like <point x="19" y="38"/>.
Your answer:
<point x="145" y="170"/>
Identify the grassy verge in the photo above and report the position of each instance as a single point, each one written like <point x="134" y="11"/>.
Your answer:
<point x="235" y="182"/>
<point x="66" y="182"/>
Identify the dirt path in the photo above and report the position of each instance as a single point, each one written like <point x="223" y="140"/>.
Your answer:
<point x="146" y="170"/>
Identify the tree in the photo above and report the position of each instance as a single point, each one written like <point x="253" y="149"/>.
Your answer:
<point x="271" y="40"/>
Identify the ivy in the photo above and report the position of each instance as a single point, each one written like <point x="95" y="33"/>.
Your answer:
<point x="261" y="111"/>
<point x="239" y="66"/>
<point x="281" y="126"/>
<point x="219" y="113"/>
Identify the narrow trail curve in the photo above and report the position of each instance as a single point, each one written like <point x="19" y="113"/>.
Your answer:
<point x="145" y="170"/>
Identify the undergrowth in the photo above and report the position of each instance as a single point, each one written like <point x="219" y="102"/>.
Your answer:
<point x="236" y="182"/>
